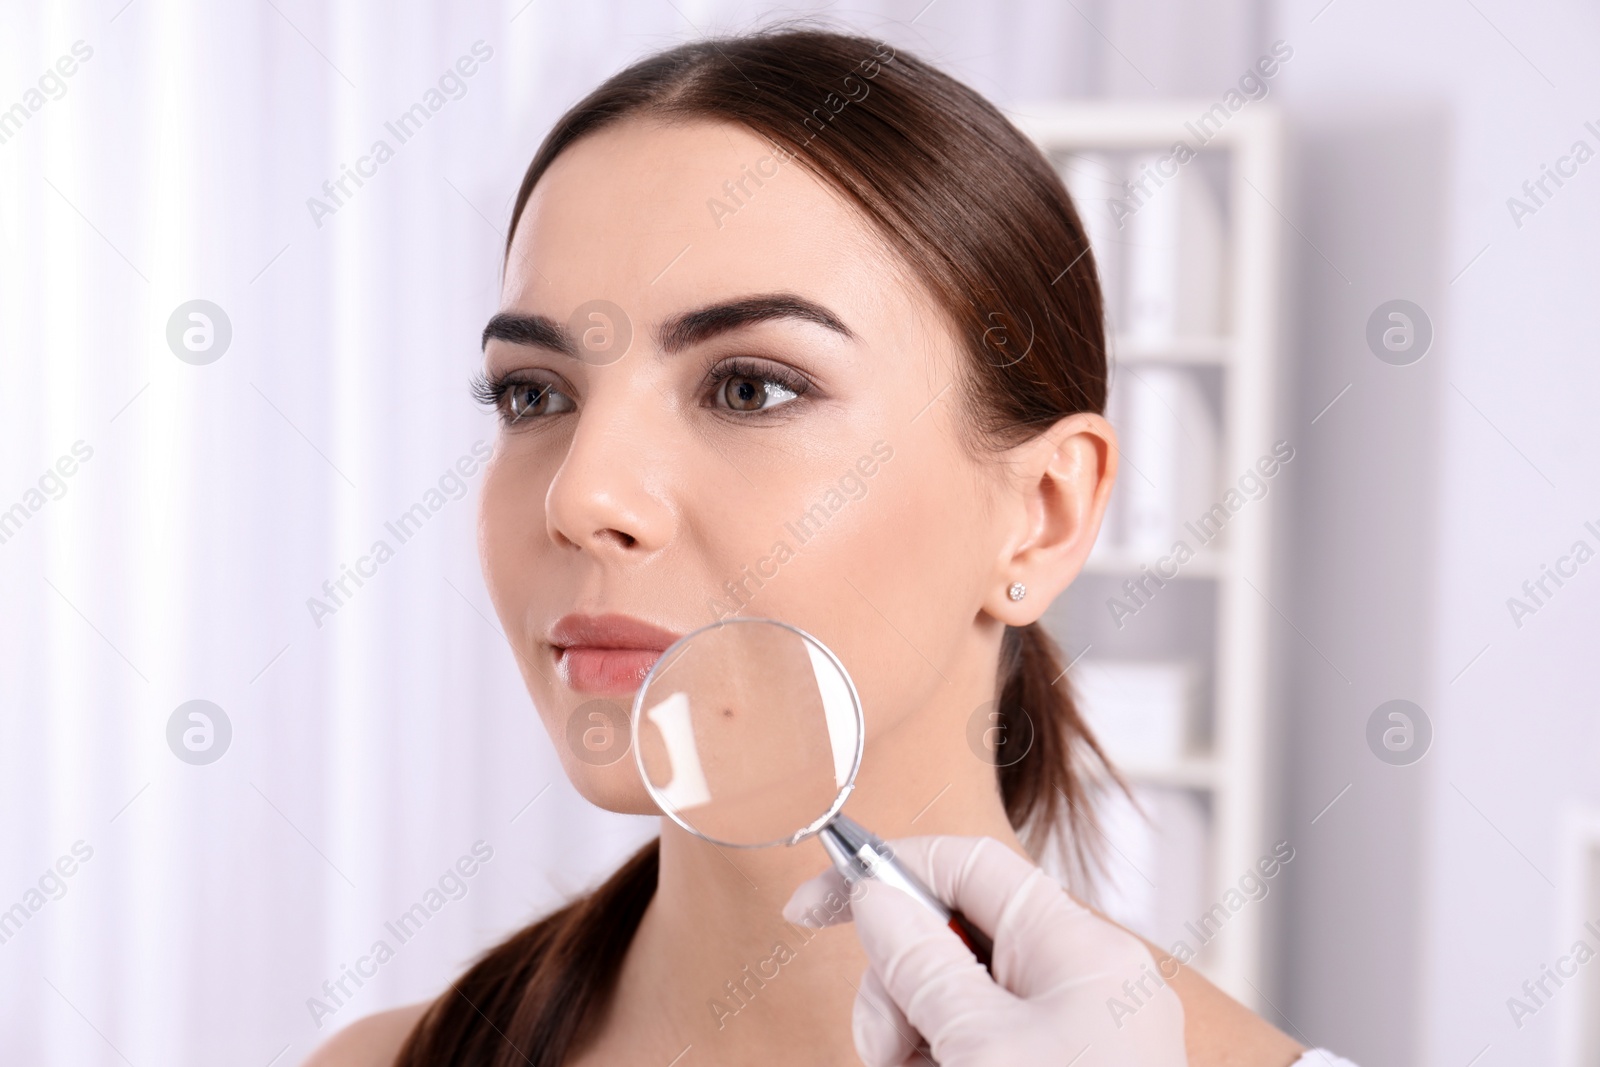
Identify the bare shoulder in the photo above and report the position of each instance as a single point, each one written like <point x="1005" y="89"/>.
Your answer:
<point x="373" y="1041"/>
<point x="1218" y="1030"/>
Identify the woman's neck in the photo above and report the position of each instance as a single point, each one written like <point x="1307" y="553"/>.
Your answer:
<point x="715" y="966"/>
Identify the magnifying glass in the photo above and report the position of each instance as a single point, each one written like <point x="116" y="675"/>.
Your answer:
<point x="748" y="733"/>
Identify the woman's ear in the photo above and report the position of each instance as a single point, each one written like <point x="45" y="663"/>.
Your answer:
<point x="1061" y="484"/>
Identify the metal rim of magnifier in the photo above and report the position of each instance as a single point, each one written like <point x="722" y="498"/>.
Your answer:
<point x="855" y="706"/>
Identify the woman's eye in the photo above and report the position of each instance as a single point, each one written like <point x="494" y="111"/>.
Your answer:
<point x="531" y="399"/>
<point x="745" y="392"/>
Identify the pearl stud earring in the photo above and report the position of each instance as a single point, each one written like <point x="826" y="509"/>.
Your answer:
<point x="1017" y="591"/>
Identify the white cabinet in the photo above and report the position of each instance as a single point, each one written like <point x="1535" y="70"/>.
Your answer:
<point x="1168" y="626"/>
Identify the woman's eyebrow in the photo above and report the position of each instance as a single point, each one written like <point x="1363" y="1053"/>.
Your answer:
<point x="694" y="327"/>
<point x="678" y="332"/>
<point x="533" y="331"/>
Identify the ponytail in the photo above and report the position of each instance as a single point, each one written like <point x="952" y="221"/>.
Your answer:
<point x="1049" y="792"/>
<point x="537" y="997"/>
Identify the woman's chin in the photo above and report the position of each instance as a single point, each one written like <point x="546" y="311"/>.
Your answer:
<point x="615" y="787"/>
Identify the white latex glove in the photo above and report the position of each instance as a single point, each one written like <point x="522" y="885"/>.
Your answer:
<point x="1058" y="968"/>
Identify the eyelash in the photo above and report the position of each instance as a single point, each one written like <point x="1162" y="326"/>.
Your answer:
<point x="491" y="392"/>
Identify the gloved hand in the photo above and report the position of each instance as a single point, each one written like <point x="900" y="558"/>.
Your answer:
<point x="1068" y="986"/>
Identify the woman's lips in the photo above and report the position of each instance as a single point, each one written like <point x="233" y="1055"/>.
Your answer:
<point x="606" y="653"/>
<point x="604" y="670"/>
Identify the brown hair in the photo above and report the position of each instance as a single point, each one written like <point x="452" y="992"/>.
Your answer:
<point x="985" y="223"/>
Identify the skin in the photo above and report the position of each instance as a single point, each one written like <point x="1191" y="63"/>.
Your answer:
<point x="907" y="584"/>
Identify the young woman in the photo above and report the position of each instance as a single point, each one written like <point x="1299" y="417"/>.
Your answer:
<point x="797" y="326"/>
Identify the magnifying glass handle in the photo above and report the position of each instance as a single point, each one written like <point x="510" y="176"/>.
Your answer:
<point x="859" y="853"/>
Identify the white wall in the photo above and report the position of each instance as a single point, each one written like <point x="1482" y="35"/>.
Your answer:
<point x="1433" y="491"/>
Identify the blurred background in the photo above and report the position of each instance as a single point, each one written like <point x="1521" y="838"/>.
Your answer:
<point x="238" y="740"/>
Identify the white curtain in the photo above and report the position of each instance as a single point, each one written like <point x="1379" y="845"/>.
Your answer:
<point x="186" y="490"/>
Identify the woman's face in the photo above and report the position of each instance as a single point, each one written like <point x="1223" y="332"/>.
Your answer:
<point x="779" y="437"/>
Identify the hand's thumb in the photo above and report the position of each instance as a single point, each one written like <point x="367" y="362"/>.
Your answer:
<point x="820" y="901"/>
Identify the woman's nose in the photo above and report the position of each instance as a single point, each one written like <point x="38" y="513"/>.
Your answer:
<point x="607" y="497"/>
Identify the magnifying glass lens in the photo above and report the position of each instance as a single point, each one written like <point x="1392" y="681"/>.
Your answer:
<point x="748" y="732"/>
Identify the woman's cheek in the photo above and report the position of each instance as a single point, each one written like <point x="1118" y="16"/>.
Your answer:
<point x="497" y="555"/>
<point x="511" y="533"/>
<point x="821" y="570"/>
<point x="911" y="566"/>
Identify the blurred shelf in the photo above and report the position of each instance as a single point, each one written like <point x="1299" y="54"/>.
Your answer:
<point x="1237" y="366"/>
<point x="1191" y="772"/>
<point x="1188" y="351"/>
<point x="1118" y="562"/>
